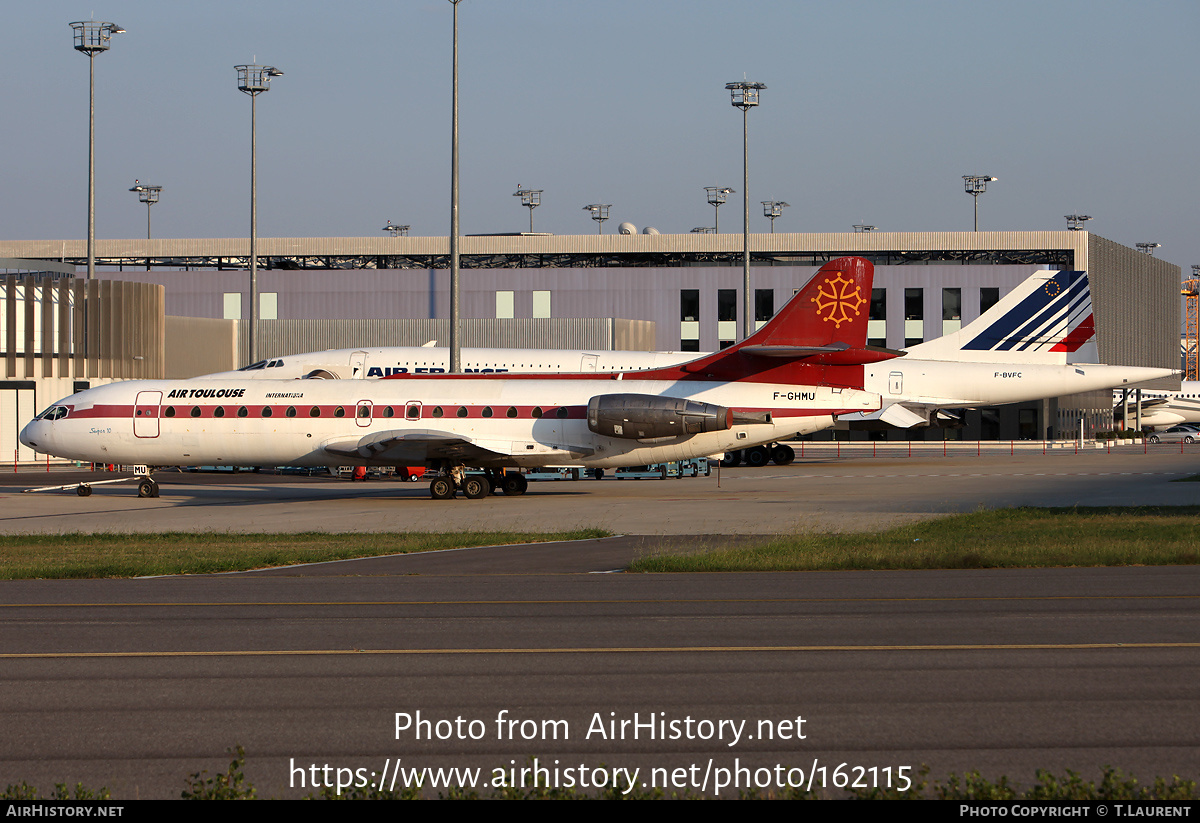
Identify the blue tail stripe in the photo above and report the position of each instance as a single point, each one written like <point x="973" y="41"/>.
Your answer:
<point x="1044" y="318"/>
<point x="1052" y="332"/>
<point x="1032" y="313"/>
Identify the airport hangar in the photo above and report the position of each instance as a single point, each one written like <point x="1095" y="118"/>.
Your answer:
<point x="178" y="308"/>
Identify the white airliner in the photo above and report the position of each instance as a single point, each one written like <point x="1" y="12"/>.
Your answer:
<point x="1162" y="409"/>
<point x="796" y="374"/>
<point x="1016" y="351"/>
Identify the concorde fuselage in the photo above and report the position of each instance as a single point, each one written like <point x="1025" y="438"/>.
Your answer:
<point x="525" y="422"/>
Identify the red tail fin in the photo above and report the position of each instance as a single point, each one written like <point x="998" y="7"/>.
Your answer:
<point x="818" y="337"/>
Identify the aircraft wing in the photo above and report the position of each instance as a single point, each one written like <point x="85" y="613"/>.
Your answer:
<point x="904" y="415"/>
<point x="416" y="446"/>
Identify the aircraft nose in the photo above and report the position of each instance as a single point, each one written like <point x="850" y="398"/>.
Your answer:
<point x="30" y="436"/>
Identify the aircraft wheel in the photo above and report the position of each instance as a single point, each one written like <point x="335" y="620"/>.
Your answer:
<point x="441" y="488"/>
<point x="598" y="473"/>
<point x="475" y="487"/>
<point x="731" y="459"/>
<point x="782" y="455"/>
<point x="147" y="488"/>
<point x="84" y="490"/>
<point x="1154" y="438"/>
<point x="515" y="484"/>
<point x="757" y="456"/>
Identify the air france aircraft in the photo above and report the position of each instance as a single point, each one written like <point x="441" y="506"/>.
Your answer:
<point x="796" y="374"/>
<point x="1023" y="348"/>
<point x="1016" y="351"/>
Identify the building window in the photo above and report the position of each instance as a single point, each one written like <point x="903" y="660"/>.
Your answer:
<point x="988" y="297"/>
<point x="951" y="310"/>
<point x="726" y="304"/>
<point x="877" y="319"/>
<point x="504" y="305"/>
<point x="764" y="304"/>
<point x="541" y="304"/>
<point x="689" y="305"/>
<point x="233" y="306"/>
<point x="914" y="316"/>
<point x="268" y="306"/>
<point x="689" y="345"/>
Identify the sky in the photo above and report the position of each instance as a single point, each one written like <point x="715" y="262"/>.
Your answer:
<point x="873" y="111"/>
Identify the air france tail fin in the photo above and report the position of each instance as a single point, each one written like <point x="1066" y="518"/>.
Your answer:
<point x="824" y="326"/>
<point x="1046" y="319"/>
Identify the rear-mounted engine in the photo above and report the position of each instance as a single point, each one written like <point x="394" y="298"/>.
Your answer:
<point x="648" y="416"/>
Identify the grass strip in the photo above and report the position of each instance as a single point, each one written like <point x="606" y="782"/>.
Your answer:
<point x="136" y="555"/>
<point x="1002" y="538"/>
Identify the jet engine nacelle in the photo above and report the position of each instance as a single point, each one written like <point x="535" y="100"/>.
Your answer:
<point x="649" y="416"/>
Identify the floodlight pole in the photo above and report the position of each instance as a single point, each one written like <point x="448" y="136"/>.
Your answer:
<point x="975" y="185"/>
<point x="773" y="209"/>
<point x="455" y="341"/>
<point x="599" y="214"/>
<point x="1075" y="221"/>
<point x="254" y="80"/>
<point x="716" y="198"/>
<point x="744" y="96"/>
<point x="531" y="199"/>
<point x="91" y="38"/>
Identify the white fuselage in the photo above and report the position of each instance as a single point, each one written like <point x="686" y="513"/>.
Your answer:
<point x="515" y="421"/>
<point x="1163" y="409"/>
<point x="919" y="384"/>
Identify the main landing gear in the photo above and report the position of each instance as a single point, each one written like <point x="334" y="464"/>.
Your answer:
<point x="476" y="486"/>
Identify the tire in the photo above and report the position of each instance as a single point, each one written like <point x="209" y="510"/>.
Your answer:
<point x="783" y="455"/>
<point x="1189" y="439"/>
<point x="515" y="484"/>
<point x="598" y="474"/>
<point x="731" y="459"/>
<point x="147" y="488"/>
<point x="441" y="488"/>
<point x="1154" y="438"/>
<point x="476" y="487"/>
<point x="84" y="490"/>
<point x="757" y="457"/>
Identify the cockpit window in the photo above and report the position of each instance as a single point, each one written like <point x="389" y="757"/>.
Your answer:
<point x="261" y="364"/>
<point x="53" y="413"/>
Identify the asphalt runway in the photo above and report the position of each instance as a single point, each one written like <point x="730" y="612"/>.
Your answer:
<point x="810" y="495"/>
<point x="135" y="684"/>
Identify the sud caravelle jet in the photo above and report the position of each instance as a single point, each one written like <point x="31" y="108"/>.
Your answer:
<point x="796" y="374"/>
<point x="1028" y="346"/>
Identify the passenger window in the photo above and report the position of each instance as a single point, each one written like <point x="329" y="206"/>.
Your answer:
<point x="195" y="411"/>
<point x="291" y="411"/>
<point x="537" y="412"/>
<point x="219" y="411"/>
<point x="437" y="411"/>
<point x="388" y="411"/>
<point x="561" y="412"/>
<point x="462" y="411"/>
<point x="487" y="411"/>
<point x="364" y="411"/>
<point x="315" y="411"/>
<point x="266" y="411"/>
<point x="512" y="411"/>
<point x="339" y="412"/>
<point x="242" y="412"/>
<point x="413" y="412"/>
<point x="169" y="412"/>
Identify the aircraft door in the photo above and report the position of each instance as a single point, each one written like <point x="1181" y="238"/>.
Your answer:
<point x="588" y="363"/>
<point x="358" y="365"/>
<point x="145" y="413"/>
<point x="363" y="413"/>
<point x="896" y="383"/>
